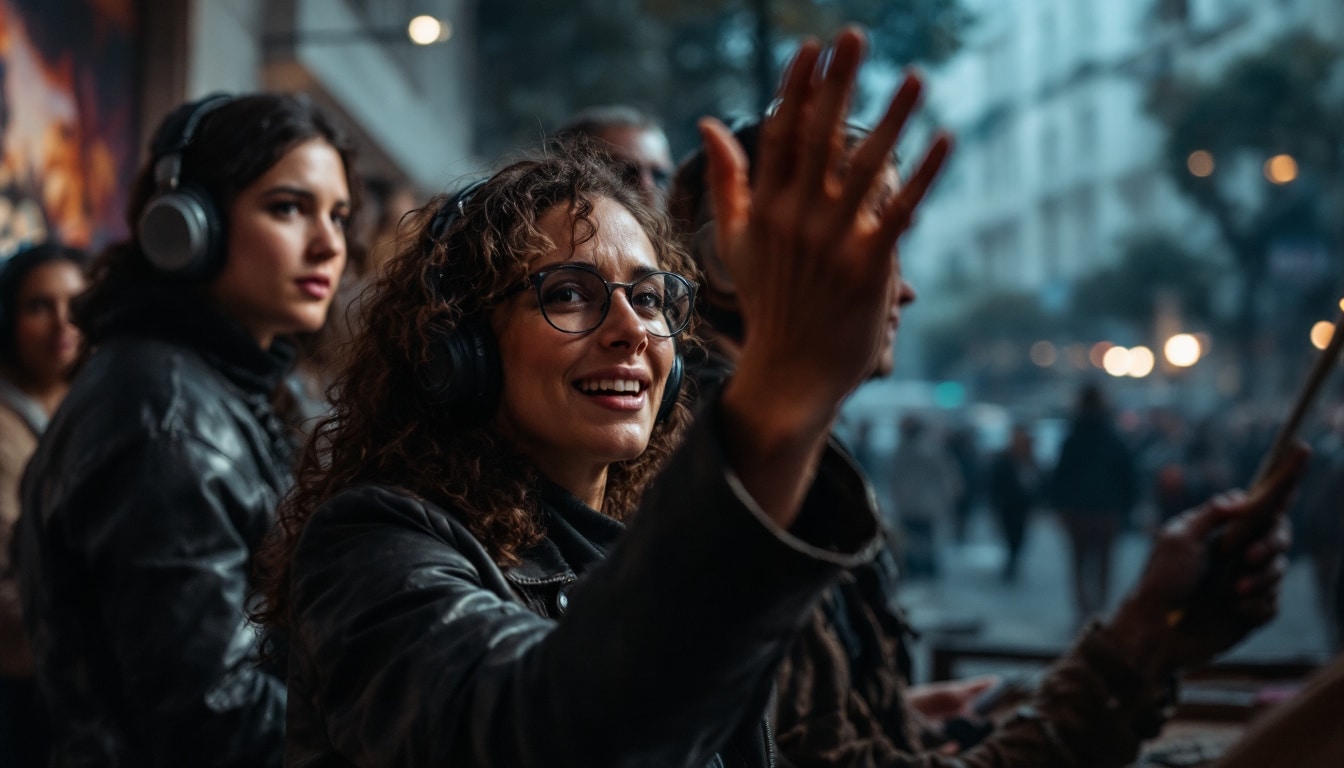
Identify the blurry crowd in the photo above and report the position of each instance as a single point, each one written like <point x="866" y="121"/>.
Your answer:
<point x="1172" y="461"/>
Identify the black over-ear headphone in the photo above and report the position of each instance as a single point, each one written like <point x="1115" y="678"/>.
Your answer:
<point x="464" y="372"/>
<point x="180" y="228"/>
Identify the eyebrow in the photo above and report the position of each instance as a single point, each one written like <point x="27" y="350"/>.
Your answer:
<point x="285" y="189"/>
<point x="641" y="271"/>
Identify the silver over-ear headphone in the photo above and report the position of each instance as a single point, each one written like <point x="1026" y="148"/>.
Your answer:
<point x="180" y="228"/>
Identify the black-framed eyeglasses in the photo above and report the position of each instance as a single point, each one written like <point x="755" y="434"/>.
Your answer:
<point x="575" y="298"/>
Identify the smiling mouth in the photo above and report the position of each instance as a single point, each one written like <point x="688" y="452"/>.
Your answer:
<point x="610" y="386"/>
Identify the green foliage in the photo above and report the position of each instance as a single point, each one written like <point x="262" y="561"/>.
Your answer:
<point x="679" y="59"/>
<point x="1152" y="266"/>
<point x="1280" y="100"/>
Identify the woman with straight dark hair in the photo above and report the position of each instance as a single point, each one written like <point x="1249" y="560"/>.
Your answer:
<point x="160" y="474"/>
<point x="38" y="349"/>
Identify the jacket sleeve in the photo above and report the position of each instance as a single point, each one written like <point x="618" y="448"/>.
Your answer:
<point x="1091" y="711"/>
<point x="159" y="523"/>
<point x="668" y="647"/>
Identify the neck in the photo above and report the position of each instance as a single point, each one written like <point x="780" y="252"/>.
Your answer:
<point x="587" y="485"/>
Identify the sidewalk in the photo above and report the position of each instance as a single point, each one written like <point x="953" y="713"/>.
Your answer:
<point x="970" y="602"/>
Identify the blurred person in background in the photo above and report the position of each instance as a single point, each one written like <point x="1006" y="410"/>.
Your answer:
<point x="960" y="444"/>
<point x="161" y="472"/>
<point x="1093" y="489"/>
<point x="635" y="139"/>
<point x="1014" y="485"/>
<point x="924" y="490"/>
<point x="38" y="349"/>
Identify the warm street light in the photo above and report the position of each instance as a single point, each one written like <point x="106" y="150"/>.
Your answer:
<point x="1281" y="169"/>
<point x="1141" y="362"/>
<point x="427" y="30"/>
<point x="1182" y="350"/>
<point x="1200" y="163"/>
<point x="1116" y="361"/>
<point x="422" y="30"/>
<point x="1321" y="333"/>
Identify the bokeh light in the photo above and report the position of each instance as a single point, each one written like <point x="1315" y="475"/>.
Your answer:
<point x="1098" y="353"/>
<point x="1281" y="169"/>
<point x="1321" y="333"/>
<point x="1141" y="362"/>
<point x="1043" y="353"/>
<point x="1182" y="350"/>
<point x="1200" y="163"/>
<point x="1116" y="361"/>
<point x="427" y="30"/>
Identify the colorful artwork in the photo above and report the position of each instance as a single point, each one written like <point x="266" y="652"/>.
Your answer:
<point x="68" y="107"/>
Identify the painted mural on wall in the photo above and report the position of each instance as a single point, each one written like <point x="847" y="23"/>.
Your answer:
<point x="68" y="106"/>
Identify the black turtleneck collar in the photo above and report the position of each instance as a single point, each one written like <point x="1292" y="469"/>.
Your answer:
<point x="582" y="534"/>
<point x="183" y="316"/>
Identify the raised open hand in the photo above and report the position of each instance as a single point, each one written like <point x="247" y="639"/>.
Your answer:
<point x="810" y="254"/>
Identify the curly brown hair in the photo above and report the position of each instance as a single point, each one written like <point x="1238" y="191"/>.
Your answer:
<point x="386" y="428"/>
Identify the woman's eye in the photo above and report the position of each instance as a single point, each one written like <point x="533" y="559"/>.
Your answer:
<point x="648" y="296"/>
<point x="284" y="207"/>
<point x="564" y="294"/>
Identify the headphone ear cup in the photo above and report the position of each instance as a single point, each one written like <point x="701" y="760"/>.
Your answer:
<point x="180" y="233"/>
<point x="464" y="373"/>
<point x="672" y="389"/>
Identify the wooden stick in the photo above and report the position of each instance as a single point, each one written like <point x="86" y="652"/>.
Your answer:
<point x="1287" y="433"/>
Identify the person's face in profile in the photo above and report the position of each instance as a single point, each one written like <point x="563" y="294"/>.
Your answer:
<point x="286" y="244"/>
<point x="901" y="292"/>
<point x="649" y="159"/>
<point x="577" y="402"/>
<point x="46" y="343"/>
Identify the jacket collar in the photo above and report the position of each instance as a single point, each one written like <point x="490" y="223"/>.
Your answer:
<point x="577" y="537"/>
<point x="182" y="316"/>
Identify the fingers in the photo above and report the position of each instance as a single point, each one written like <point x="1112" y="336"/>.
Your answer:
<point x="1198" y="523"/>
<point x="896" y="219"/>
<point x="824" y="132"/>
<point x="873" y="155"/>
<point x="1263" y="579"/>
<point x="726" y="180"/>
<point x="1276" y="543"/>
<point x="780" y="131"/>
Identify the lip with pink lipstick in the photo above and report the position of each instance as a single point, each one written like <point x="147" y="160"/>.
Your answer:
<point x="621" y="389"/>
<point x="315" y="286"/>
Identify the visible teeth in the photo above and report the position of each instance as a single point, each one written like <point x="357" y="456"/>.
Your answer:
<point x="610" y="385"/>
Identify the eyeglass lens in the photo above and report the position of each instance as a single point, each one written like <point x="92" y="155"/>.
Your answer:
<point x="576" y="300"/>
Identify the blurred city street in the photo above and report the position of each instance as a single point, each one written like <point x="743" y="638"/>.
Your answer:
<point x="970" y="603"/>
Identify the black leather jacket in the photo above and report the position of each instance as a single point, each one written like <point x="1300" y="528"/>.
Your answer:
<point x="409" y="646"/>
<point x="152" y="486"/>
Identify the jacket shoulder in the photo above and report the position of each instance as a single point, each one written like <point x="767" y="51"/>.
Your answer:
<point x="135" y="389"/>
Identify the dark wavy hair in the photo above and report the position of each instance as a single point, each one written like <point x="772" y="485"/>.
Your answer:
<point x="232" y="147"/>
<point x="12" y="276"/>
<point x="385" y="428"/>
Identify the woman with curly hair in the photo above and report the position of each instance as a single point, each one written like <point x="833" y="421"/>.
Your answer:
<point x="461" y="572"/>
